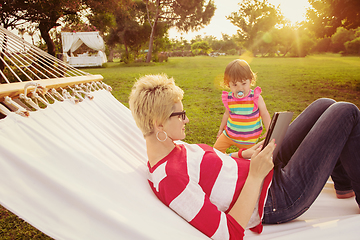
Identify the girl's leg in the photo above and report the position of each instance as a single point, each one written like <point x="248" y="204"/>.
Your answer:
<point x="223" y="143"/>
<point x="303" y="168"/>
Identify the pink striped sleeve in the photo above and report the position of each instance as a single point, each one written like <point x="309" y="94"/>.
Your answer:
<point x="257" y="92"/>
<point x="224" y="97"/>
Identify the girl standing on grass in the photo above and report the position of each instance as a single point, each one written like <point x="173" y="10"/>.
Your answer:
<point x="244" y="109"/>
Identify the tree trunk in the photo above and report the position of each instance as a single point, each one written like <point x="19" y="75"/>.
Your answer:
<point x="44" y="30"/>
<point x="151" y="43"/>
<point x="126" y="52"/>
<point x="111" y="54"/>
<point x="153" y="27"/>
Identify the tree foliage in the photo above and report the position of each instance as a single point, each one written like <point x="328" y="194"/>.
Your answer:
<point x="44" y="13"/>
<point x="47" y="13"/>
<point x="253" y="17"/>
<point x="185" y="15"/>
<point x="12" y="15"/>
<point x="202" y="47"/>
<point x="126" y="24"/>
<point x="327" y="15"/>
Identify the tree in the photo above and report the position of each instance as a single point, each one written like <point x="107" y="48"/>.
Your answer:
<point x="202" y="47"/>
<point x="185" y="15"/>
<point x="47" y="13"/>
<point x="254" y="16"/>
<point x="12" y="13"/>
<point x="342" y="35"/>
<point x="327" y="15"/>
<point x="229" y="44"/>
<point x="303" y="42"/>
<point x="106" y="16"/>
<point x="353" y="47"/>
<point x="44" y="13"/>
<point x="285" y="39"/>
<point x="126" y="25"/>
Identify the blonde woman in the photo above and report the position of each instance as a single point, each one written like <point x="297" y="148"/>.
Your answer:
<point x="222" y="195"/>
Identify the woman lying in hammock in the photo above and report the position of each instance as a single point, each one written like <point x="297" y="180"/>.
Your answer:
<point x="222" y="195"/>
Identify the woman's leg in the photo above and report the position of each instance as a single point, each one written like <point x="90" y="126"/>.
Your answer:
<point x="297" y="132"/>
<point x="342" y="182"/>
<point x="308" y="156"/>
<point x="299" y="128"/>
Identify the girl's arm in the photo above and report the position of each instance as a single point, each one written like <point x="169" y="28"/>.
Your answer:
<point x="223" y="122"/>
<point x="265" y="116"/>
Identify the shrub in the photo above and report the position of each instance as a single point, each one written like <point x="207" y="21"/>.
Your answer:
<point x="353" y="47"/>
<point x="232" y="52"/>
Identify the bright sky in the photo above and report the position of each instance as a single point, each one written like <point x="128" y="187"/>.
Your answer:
<point x="294" y="10"/>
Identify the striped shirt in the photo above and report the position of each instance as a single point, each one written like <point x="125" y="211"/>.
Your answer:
<point x="202" y="184"/>
<point x="244" y="123"/>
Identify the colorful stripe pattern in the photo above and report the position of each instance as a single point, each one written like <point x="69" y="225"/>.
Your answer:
<point x="244" y="124"/>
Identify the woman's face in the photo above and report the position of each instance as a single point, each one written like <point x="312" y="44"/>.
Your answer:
<point x="175" y="125"/>
<point x="240" y="89"/>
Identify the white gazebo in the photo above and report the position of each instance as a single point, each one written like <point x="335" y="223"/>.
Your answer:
<point x="73" y="40"/>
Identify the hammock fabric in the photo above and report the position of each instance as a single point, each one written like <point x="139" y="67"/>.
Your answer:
<point x="77" y="171"/>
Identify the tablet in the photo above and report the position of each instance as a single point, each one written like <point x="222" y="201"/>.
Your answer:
<point x="277" y="129"/>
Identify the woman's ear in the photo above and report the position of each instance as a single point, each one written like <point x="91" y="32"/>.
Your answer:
<point x="158" y="126"/>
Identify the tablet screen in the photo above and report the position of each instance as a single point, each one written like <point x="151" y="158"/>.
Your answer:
<point x="277" y="129"/>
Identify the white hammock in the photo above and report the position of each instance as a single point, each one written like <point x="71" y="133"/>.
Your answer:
<point x="78" y="171"/>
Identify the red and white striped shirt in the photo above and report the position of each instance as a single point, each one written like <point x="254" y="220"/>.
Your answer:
<point x="202" y="184"/>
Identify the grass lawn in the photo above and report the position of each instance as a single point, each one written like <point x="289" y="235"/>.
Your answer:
<point x="287" y="84"/>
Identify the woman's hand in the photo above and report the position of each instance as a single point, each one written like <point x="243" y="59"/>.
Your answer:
<point x="250" y="151"/>
<point x="262" y="161"/>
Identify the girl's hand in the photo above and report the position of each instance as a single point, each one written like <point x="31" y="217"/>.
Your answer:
<point x="219" y="133"/>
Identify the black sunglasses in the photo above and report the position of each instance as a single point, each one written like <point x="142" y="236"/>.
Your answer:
<point x="182" y="114"/>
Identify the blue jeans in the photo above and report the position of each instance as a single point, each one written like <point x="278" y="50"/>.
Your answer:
<point x="326" y="134"/>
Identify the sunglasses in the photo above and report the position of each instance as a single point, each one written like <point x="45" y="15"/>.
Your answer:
<point x="182" y="114"/>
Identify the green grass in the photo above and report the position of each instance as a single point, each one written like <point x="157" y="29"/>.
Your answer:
<point x="287" y="84"/>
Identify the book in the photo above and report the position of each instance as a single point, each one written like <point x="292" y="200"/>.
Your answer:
<point x="277" y="129"/>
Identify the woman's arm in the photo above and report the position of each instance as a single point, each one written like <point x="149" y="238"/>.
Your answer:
<point x="260" y="165"/>
<point x="247" y="153"/>
<point x="189" y="201"/>
<point x="223" y="122"/>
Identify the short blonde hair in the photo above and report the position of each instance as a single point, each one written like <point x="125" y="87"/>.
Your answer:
<point x="152" y="100"/>
<point x="238" y="71"/>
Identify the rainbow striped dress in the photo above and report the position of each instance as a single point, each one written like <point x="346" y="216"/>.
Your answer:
<point x="244" y="125"/>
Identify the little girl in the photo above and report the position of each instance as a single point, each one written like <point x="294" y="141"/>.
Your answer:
<point x="244" y="109"/>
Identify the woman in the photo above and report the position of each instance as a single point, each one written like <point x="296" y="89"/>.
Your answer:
<point x="222" y="195"/>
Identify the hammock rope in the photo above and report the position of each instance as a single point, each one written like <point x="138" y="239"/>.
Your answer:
<point x="30" y="78"/>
